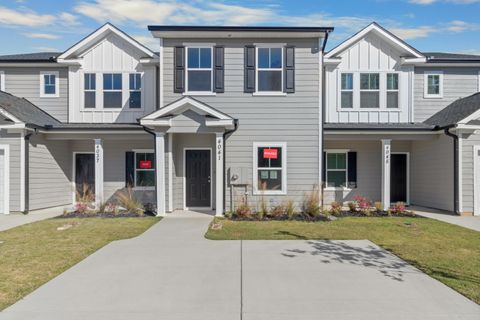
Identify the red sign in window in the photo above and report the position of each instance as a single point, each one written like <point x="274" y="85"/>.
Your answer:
<point x="145" y="164"/>
<point x="270" y="153"/>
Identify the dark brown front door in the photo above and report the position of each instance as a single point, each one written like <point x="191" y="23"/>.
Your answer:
<point x="398" y="178"/>
<point x="197" y="178"/>
<point x="84" y="174"/>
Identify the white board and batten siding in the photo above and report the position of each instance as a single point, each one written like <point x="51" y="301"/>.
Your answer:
<point x="111" y="55"/>
<point x="370" y="54"/>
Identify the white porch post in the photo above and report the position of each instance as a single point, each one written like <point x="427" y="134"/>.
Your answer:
<point x="219" y="175"/>
<point x="160" y="171"/>
<point x="386" y="154"/>
<point x="98" y="172"/>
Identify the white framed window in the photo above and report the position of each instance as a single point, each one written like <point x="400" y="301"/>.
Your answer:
<point x="270" y="168"/>
<point x="369" y="90"/>
<point x="89" y="88"/>
<point x="49" y="84"/>
<point x="144" y="177"/>
<point x="346" y="96"/>
<point x="392" y="90"/>
<point x="2" y="80"/>
<point x="336" y="169"/>
<point x="433" y="84"/>
<point x="135" y="91"/>
<point x="269" y="65"/>
<point x="112" y="90"/>
<point x="199" y="75"/>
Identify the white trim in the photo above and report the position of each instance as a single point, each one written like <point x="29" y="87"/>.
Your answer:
<point x="270" y="45"/>
<point x="471" y="117"/>
<point x="269" y="94"/>
<point x="386" y="162"/>
<point x="10" y="116"/>
<point x="283" y="168"/>
<point x="74" y="169"/>
<point x="187" y="69"/>
<point x="377" y="132"/>
<point x="99" y="171"/>
<point x="281" y="69"/>
<point x="170" y="172"/>
<point x="460" y="172"/>
<point x="337" y="151"/>
<point x="476" y="187"/>
<point x="22" y="171"/>
<point x="2" y="80"/>
<point x="428" y="73"/>
<point x="42" y="84"/>
<point x="160" y="172"/>
<point x="160" y="73"/>
<point x="320" y="118"/>
<point x="219" y="174"/>
<point x="135" y="187"/>
<point x="184" y="178"/>
<point x="407" y="153"/>
<point x="6" y="177"/>
<point x="199" y="93"/>
<point x="199" y="44"/>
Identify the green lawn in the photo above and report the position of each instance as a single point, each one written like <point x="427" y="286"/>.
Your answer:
<point x="446" y="252"/>
<point x="32" y="254"/>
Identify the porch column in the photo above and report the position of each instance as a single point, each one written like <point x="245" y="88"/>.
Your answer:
<point x="219" y="175"/>
<point x="98" y="172"/>
<point x="160" y="172"/>
<point x="386" y="150"/>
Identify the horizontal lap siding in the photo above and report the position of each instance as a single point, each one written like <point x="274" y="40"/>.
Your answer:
<point x="25" y="83"/>
<point x="292" y="119"/>
<point x="468" y="143"/>
<point x="13" y="140"/>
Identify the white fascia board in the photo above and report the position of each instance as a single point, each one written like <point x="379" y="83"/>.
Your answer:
<point x="8" y="115"/>
<point x="220" y="123"/>
<point x="156" y="123"/>
<point x="332" y="61"/>
<point x="414" y="61"/>
<point x="471" y="117"/>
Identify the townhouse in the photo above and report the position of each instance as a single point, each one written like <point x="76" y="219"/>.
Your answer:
<point x="221" y="115"/>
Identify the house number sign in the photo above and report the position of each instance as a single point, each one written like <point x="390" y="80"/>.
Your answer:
<point x="387" y="154"/>
<point x="219" y="148"/>
<point x="97" y="153"/>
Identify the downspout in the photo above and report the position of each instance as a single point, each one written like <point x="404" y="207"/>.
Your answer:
<point x="225" y="135"/>
<point x="26" y="181"/>
<point x="455" y="170"/>
<point x="322" y="138"/>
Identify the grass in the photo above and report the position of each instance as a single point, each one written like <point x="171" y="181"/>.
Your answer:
<point x="448" y="253"/>
<point x="32" y="254"/>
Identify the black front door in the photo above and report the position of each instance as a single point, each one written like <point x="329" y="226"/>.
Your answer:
<point x="398" y="178"/>
<point x="197" y="178"/>
<point x="85" y="174"/>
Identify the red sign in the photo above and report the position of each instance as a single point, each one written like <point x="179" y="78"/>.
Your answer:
<point x="270" y="153"/>
<point x="145" y="164"/>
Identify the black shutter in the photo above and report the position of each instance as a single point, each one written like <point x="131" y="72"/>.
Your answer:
<point x="129" y="169"/>
<point x="352" y="169"/>
<point x="289" y="70"/>
<point x="219" y="70"/>
<point x="179" y="66"/>
<point x="249" y="72"/>
<point x="324" y="169"/>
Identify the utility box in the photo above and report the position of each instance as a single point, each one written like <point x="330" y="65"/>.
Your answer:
<point x="239" y="176"/>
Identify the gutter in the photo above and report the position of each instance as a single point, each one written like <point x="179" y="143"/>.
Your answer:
<point x="456" y="201"/>
<point x="225" y="136"/>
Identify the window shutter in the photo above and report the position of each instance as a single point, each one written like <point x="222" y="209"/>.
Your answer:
<point x="289" y="70"/>
<point x="324" y="169"/>
<point x="219" y="70"/>
<point x="129" y="169"/>
<point x="249" y="72"/>
<point x="352" y="169"/>
<point x="179" y="64"/>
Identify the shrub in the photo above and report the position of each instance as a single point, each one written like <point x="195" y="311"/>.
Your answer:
<point x="364" y="205"/>
<point x="398" y="208"/>
<point x="290" y="209"/>
<point x="263" y="211"/>
<point x="352" y="206"/>
<point x="335" y="208"/>
<point x="81" y="207"/>
<point x="311" y="203"/>
<point x="127" y="200"/>
<point x="277" y="211"/>
<point x="243" y="211"/>
<point x="378" y="206"/>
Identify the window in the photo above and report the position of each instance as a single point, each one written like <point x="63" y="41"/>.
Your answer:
<point x="135" y="99"/>
<point x="433" y="84"/>
<point x="336" y="170"/>
<point x="269" y="69"/>
<point x="199" y="69"/>
<point x="347" y="90"/>
<point x="392" y="90"/>
<point x="369" y="90"/>
<point x="112" y="90"/>
<point x="89" y="90"/>
<point x="144" y="169"/>
<point x="48" y="84"/>
<point x="270" y="170"/>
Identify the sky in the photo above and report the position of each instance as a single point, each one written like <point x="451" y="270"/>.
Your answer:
<point x="55" y="25"/>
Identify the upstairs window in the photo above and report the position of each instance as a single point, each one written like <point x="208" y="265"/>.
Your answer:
<point x="112" y="90"/>
<point x="270" y="169"/>
<point x="199" y="69"/>
<point x="347" y="91"/>
<point x="48" y="84"/>
<point x="135" y="99"/>
<point x="370" y="90"/>
<point x="392" y="90"/>
<point x="89" y="90"/>
<point x="433" y="84"/>
<point x="269" y="69"/>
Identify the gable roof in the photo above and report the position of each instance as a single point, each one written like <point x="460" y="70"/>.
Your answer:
<point x="100" y="33"/>
<point x="382" y="32"/>
<point x="31" y="57"/>
<point x="460" y="111"/>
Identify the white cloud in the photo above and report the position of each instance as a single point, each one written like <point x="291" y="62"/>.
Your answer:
<point x="46" y="49"/>
<point x="428" y="2"/>
<point x="422" y="2"/>
<point x="413" y="33"/>
<point x="24" y="18"/>
<point x="148" y="41"/>
<point x="42" y="36"/>
<point x="460" y="26"/>
<point x="68" y="19"/>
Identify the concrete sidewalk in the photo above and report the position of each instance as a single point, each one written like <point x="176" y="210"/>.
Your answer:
<point x="8" y="221"/>
<point x="172" y="272"/>
<point x="445" y="216"/>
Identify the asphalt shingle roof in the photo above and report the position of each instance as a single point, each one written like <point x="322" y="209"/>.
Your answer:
<point x="455" y="112"/>
<point x="31" y="57"/>
<point x="454" y="57"/>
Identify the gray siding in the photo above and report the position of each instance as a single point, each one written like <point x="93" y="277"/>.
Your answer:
<point x="292" y="119"/>
<point x="13" y="140"/>
<point x="25" y="82"/>
<point x="468" y="142"/>
<point x="432" y="173"/>
<point x="457" y="83"/>
<point x="50" y="168"/>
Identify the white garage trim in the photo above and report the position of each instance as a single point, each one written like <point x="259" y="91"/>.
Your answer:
<point x="6" y="175"/>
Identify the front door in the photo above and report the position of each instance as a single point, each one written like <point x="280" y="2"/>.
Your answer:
<point x="398" y="178"/>
<point x="197" y="178"/>
<point x="85" y="175"/>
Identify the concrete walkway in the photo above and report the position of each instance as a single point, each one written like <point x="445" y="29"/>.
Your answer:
<point x="445" y="216"/>
<point x="8" y="221"/>
<point x="172" y="272"/>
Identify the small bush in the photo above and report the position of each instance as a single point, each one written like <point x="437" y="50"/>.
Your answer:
<point x="290" y="209"/>
<point x="243" y="211"/>
<point x="311" y="203"/>
<point x="378" y="206"/>
<point x="398" y="208"/>
<point x="127" y="200"/>
<point x="352" y="206"/>
<point x="335" y="208"/>
<point x="364" y="205"/>
<point x="263" y="210"/>
<point x="277" y="211"/>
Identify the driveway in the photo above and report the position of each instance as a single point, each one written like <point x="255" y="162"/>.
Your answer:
<point x="172" y="272"/>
